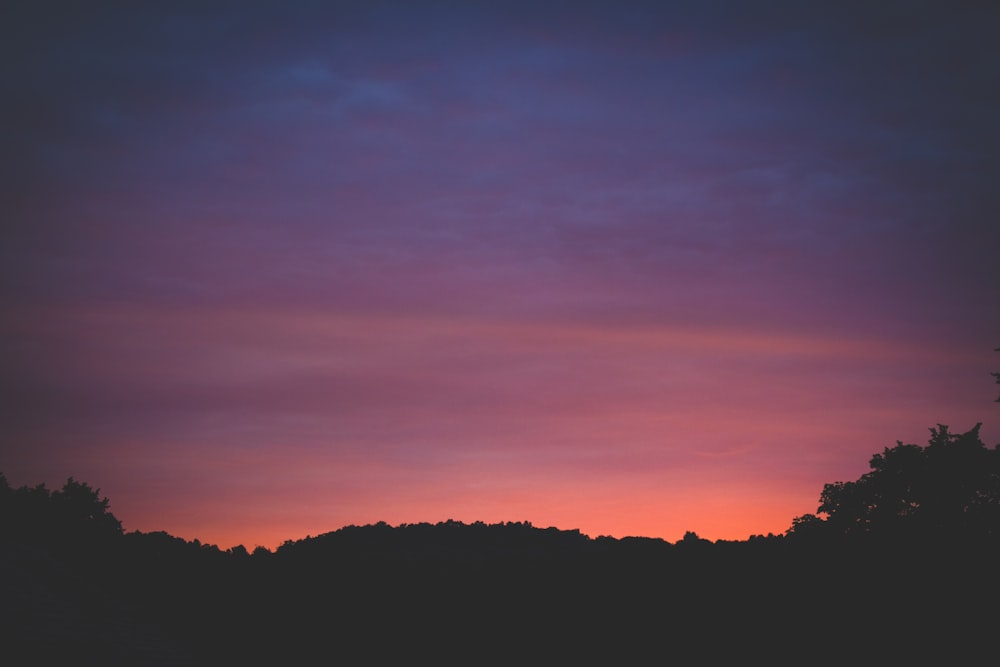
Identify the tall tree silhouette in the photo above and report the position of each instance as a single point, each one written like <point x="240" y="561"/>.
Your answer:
<point x="949" y="488"/>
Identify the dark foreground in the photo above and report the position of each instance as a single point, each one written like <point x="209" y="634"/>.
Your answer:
<point x="477" y="594"/>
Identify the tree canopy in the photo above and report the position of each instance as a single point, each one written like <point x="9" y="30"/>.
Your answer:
<point x="949" y="488"/>
<point x="75" y="512"/>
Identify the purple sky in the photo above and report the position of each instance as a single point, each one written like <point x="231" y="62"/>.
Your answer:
<point x="635" y="268"/>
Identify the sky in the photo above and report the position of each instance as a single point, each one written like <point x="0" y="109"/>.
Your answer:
<point x="635" y="268"/>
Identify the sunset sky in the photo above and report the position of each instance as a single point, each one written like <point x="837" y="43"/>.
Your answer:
<point x="269" y="269"/>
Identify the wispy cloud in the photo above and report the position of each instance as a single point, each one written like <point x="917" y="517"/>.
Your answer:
<point x="492" y="257"/>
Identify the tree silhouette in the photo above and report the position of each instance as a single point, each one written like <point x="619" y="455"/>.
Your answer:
<point x="81" y="510"/>
<point x="997" y="376"/>
<point x="949" y="488"/>
<point x="74" y="513"/>
<point x="380" y="594"/>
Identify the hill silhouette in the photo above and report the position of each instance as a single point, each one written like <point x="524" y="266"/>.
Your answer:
<point x="901" y="565"/>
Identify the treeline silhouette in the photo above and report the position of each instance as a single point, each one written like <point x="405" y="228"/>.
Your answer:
<point x="898" y="565"/>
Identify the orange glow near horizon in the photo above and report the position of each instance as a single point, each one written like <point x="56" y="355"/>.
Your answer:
<point x="309" y="422"/>
<point x="603" y="508"/>
<point x="500" y="267"/>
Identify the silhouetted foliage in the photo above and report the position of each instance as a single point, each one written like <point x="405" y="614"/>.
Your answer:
<point x="456" y="593"/>
<point x="948" y="489"/>
<point x="997" y="376"/>
<point x="74" y="514"/>
<point x="82" y="513"/>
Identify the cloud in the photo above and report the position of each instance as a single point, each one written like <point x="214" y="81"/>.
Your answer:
<point x="556" y="242"/>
